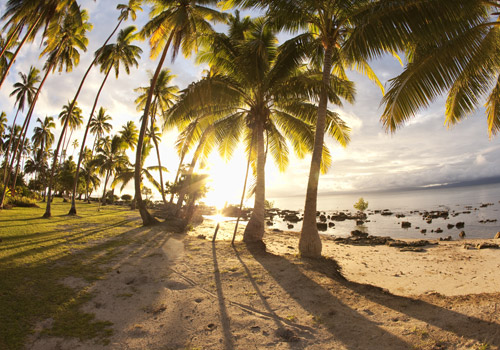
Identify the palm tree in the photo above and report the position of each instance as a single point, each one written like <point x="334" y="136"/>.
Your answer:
<point x="35" y="15"/>
<point x="6" y="56"/>
<point x="163" y="99"/>
<point x="42" y="135"/>
<point x="126" y="174"/>
<point x="109" y="158"/>
<point x="99" y="125"/>
<point x="326" y="27"/>
<point x="43" y="138"/>
<point x="62" y="48"/>
<point x="109" y="57"/>
<point x="92" y="180"/>
<point x="172" y="23"/>
<point x="129" y="134"/>
<point x="261" y="92"/>
<point x="455" y="55"/>
<point x="24" y="92"/>
<point x="3" y="127"/>
<point x="74" y="121"/>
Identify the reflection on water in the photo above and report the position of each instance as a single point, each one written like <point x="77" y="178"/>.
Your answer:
<point x="463" y="204"/>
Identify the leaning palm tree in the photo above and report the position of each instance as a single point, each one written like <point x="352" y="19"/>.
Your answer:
<point x="164" y="96"/>
<point x="260" y="92"/>
<point x="455" y="53"/>
<point x="3" y="127"/>
<point x="109" y="158"/>
<point x="5" y="58"/>
<point x="65" y="39"/>
<point x="325" y="28"/>
<point x="110" y="57"/>
<point x="24" y="91"/>
<point x="173" y="24"/>
<point x="34" y="15"/>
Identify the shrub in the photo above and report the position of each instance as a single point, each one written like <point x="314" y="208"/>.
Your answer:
<point x="19" y="201"/>
<point x="126" y="197"/>
<point x="361" y="205"/>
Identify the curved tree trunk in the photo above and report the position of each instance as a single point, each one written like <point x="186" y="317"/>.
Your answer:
<point x="196" y="155"/>
<point x="72" y="211"/>
<point x="17" y="51"/>
<point x="8" y="148"/>
<point x="161" y="172"/>
<point x="11" y="37"/>
<point x="103" y="199"/>
<point x="147" y="218"/>
<point x="254" y="231"/>
<point x="183" y="154"/>
<point x="24" y="129"/>
<point x="56" y="152"/>
<point x="310" y="242"/>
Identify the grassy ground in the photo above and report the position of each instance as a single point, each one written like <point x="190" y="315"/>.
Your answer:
<point x="37" y="254"/>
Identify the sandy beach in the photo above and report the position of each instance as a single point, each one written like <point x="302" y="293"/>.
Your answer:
<point x="181" y="291"/>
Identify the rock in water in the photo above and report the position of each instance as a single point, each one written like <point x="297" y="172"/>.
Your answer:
<point x="405" y="224"/>
<point x="461" y="234"/>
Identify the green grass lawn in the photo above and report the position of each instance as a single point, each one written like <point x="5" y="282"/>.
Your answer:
<point x="37" y="254"/>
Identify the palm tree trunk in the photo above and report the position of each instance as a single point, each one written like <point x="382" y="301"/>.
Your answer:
<point x="24" y="130"/>
<point x="157" y="148"/>
<point x="72" y="211"/>
<point x="196" y="155"/>
<point x="254" y="231"/>
<point x="11" y="37"/>
<point x="147" y="218"/>
<point x="161" y="172"/>
<point x="310" y="242"/>
<point x="18" y="50"/>
<point x="8" y="148"/>
<point x="244" y="190"/>
<point x="14" y="180"/>
<point x="183" y="154"/>
<point x="56" y="152"/>
<point x="103" y="199"/>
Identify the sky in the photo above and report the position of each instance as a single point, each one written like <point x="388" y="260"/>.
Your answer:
<point x="422" y="153"/>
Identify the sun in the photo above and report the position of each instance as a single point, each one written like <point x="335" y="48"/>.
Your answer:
<point x="226" y="179"/>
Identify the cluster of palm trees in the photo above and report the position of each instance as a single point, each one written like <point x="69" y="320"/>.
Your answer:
<point x="268" y="95"/>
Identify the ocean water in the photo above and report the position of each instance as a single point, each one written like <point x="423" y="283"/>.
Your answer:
<point x="458" y="201"/>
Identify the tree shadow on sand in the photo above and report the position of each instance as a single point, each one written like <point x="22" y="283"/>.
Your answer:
<point x="332" y="299"/>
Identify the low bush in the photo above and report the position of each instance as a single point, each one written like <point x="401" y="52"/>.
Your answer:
<point x="25" y="202"/>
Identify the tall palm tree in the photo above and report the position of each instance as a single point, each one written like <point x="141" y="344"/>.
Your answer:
<point x="24" y="92"/>
<point x="110" y="57"/>
<point x="163" y="98"/>
<point x="35" y="15"/>
<point x="178" y="24"/>
<point x="3" y="127"/>
<point x="62" y="48"/>
<point x="109" y="158"/>
<point x="454" y="53"/>
<point x="6" y="56"/>
<point x="260" y="92"/>
<point x="326" y="27"/>
<point x="42" y="139"/>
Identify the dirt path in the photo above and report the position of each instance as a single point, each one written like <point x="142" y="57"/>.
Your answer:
<point x="171" y="291"/>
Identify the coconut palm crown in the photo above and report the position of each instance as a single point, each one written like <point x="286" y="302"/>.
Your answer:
<point x="261" y="93"/>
